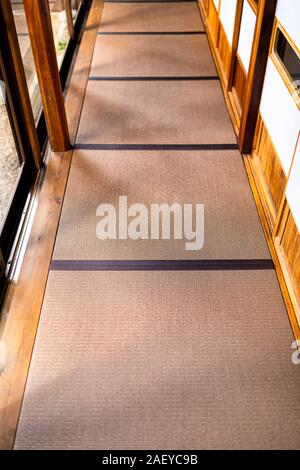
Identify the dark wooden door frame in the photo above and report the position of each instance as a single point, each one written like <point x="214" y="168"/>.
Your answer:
<point x="256" y="74"/>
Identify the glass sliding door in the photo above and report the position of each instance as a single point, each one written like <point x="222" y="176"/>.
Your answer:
<point x="10" y="164"/>
<point x="18" y="167"/>
<point x="23" y="129"/>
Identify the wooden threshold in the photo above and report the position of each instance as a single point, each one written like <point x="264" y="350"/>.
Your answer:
<point x="23" y="303"/>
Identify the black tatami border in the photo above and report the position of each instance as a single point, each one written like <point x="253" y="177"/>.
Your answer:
<point x="153" y="79"/>
<point x="171" y="147"/>
<point x="148" y="33"/>
<point x="163" y="265"/>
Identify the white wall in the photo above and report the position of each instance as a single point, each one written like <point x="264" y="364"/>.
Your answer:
<point x="216" y="2"/>
<point x="281" y="115"/>
<point x="246" y="34"/>
<point x="293" y="188"/>
<point x="227" y="17"/>
<point x="278" y="108"/>
<point x="288" y="13"/>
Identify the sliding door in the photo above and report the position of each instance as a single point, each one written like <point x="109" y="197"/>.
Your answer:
<point x="18" y="156"/>
<point x="278" y="121"/>
<point x="231" y="27"/>
<point x="245" y="23"/>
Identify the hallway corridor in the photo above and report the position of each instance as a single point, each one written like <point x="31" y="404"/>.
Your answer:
<point x="143" y="344"/>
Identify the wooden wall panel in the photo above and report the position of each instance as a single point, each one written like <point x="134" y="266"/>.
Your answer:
<point x="268" y="172"/>
<point x="224" y="51"/>
<point x="239" y="85"/>
<point x="205" y="4"/>
<point x="287" y="243"/>
<point x="291" y="247"/>
<point x="213" y="23"/>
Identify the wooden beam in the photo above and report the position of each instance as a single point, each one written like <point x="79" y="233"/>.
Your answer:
<point x="43" y="48"/>
<point x="18" y="69"/>
<point x="256" y="74"/>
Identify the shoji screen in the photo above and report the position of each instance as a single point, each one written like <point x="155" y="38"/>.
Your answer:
<point x="246" y="34"/>
<point x="281" y="116"/>
<point x="227" y="17"/>
<point x="279" y="120"/>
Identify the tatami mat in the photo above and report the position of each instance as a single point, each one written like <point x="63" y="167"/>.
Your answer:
<point x="162" y="361"/>
<point x="151" y="17"/>
<point x="215" y="179"/>
<point x="152" y="55"/>
<point x="160" y="112"/>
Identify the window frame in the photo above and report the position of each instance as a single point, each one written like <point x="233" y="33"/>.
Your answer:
<point x="282" y="70"/>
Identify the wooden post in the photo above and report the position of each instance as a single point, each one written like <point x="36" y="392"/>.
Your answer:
<point x="256" y="74"/>
<point x="43" y="48"/>
<point x="18" y="68"/>
<point x="69" y="18"/>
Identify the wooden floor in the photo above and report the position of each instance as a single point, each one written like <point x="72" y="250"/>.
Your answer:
<point x="141" y="345"/>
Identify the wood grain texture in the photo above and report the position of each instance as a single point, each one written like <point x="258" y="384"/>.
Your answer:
<point x="239" y="85"/>
<point x="281" y="270"/>
<point x="287" y="242"/>
<point x="268" y="171"/>
<point x="43" y="48"/>
<point x="205" y="5"/>
<point x="68" y="9"/>
<point x="290" y="246"/>
<point x="18" y="67"/>
<point x="213" y="22"/>
<point x="24" y="300"/>
<point x="224" y="50"/>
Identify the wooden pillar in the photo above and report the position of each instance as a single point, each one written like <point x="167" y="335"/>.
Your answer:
<point x="43" y="48"/>
<point x="69" y="18"/>
<point x="18" y="70"/>
<point x="256" y="74"/>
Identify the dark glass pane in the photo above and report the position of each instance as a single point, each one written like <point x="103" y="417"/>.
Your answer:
<point x="288" y="56"/>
